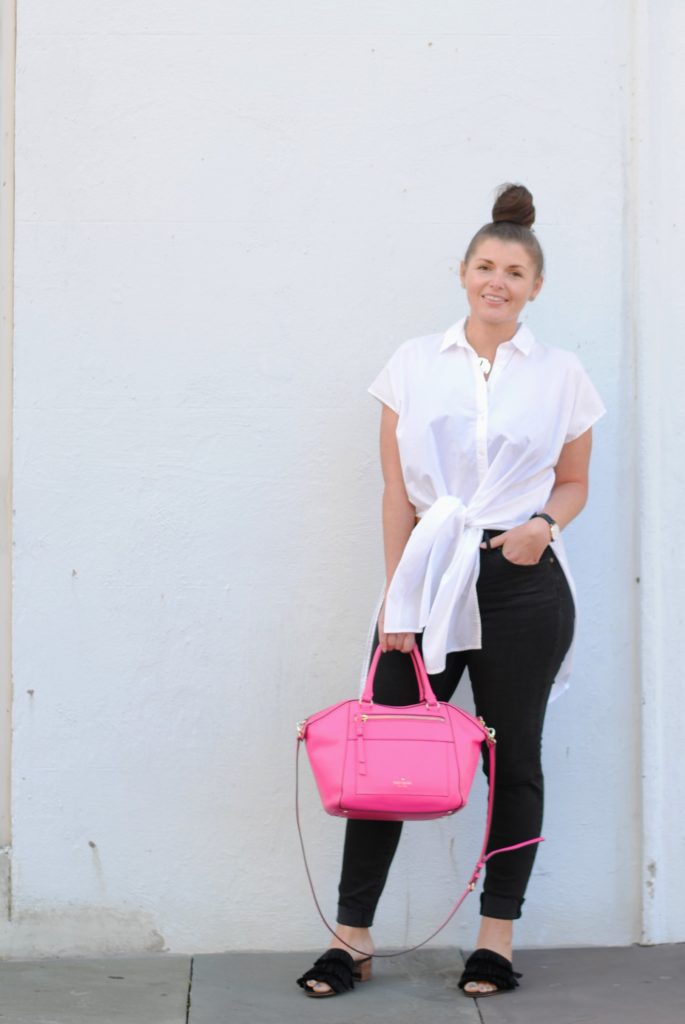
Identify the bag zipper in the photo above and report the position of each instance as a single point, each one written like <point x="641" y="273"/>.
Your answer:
<point x="361" y="721"/>
<point x="421" y="718"/>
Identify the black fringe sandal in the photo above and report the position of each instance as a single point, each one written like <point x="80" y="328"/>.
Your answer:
<point x="337" y="969"/>
<point x="489" y="968"/>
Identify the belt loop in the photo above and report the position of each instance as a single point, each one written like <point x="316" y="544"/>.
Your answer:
<point x="487" y="540"/>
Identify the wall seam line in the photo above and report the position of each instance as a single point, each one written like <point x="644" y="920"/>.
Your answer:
<point x="8" y="23"/>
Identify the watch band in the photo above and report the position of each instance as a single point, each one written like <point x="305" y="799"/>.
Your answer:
<point x="554" y="528"/>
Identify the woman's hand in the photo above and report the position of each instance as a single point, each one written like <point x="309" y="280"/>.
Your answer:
<point x="523" y="544"/>
<point x="393" y="641"/>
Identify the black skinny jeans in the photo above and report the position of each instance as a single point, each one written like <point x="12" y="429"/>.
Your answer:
<point x="527" y="616"/>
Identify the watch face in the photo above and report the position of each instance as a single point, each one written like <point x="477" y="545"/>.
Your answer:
<point x="554" y="530"/>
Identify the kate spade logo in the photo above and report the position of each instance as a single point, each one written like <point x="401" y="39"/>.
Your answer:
<point x="402" y="782"/>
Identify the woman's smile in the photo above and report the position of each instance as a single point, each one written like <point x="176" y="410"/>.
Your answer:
<point x="500" y="278"/>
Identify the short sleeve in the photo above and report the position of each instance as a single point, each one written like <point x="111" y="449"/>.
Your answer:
<point x="387" y="387"/>
<point x="587" y="408"/>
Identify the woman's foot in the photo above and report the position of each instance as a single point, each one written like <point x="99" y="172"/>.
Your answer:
<point x="498" y="936"/>
<point x="360" y="938"/>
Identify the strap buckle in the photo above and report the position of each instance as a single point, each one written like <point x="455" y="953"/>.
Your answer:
<point x="490" y="738"/>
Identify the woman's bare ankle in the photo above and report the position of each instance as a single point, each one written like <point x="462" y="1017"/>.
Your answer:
<point x="346" y="935"/>
<point x="496" y="934"/>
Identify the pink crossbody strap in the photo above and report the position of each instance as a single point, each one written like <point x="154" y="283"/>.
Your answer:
<point x="482" y="859"/>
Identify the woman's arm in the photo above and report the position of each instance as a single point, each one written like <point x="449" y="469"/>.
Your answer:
<point x="525" y="543"/>
<point x="570" y="490"/>
<point x="399" y="517"/>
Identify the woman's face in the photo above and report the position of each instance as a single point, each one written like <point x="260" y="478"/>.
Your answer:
<point x="499" y="278"/>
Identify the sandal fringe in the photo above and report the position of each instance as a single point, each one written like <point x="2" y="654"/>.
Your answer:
<point x="484" y="965"/>
<point x="337" y="969"/>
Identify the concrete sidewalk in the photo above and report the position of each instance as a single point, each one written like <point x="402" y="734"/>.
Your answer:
<point x="631" y="985"/>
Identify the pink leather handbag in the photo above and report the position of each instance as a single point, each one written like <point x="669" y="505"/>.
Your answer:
<point x="396" y="764"/>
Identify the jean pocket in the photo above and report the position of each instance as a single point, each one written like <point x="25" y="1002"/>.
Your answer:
<point x="524" y="566"/>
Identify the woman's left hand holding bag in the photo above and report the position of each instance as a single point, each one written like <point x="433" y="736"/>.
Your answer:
<point x="393" y="641"/>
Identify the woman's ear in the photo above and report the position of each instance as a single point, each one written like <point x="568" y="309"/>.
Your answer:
<point x="536" y="288"/>
<point x="462" y="272"/>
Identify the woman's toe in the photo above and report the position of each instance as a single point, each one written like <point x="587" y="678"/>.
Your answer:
<point x="318" y="986"/>
<point x="480" y="986"/>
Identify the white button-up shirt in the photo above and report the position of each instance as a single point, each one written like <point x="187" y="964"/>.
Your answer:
<point x="475" y="455"/>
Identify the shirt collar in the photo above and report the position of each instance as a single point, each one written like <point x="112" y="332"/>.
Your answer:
<point x="454" y="335"/>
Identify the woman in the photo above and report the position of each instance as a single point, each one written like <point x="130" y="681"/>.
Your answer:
<point x="485" y="449"/>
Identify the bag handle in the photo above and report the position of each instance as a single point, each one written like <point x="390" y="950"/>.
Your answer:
<point x="475" y="875"/>
<point x="425" y="689"/>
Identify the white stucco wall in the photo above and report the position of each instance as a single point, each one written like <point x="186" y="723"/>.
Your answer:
<point x="659" y="221"/>
<point x="227" y="217"/>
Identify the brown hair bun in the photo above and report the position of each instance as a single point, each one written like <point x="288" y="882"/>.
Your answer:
<point x="512" y="217"/>
<point x="514" y="204"/>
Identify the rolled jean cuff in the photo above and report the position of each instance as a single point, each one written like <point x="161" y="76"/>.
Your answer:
<point x="354" y="917"/>
<point x="506" y="908"/>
